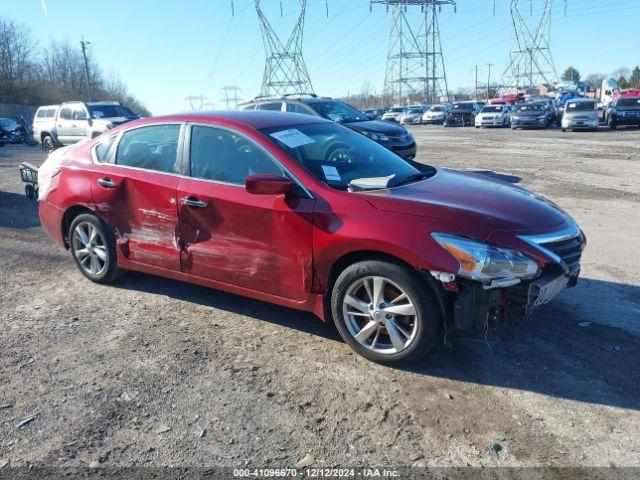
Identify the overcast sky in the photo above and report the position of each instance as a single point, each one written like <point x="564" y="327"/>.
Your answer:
<point x="166" y="50"/>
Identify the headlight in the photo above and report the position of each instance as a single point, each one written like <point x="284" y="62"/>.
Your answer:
<point x="480" y="261"/>
<point x="378" y="137"/>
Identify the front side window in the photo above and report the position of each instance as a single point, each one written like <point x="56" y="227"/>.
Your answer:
<point x="110" y="111"/>
<point x="79" y="114"/>
<point x="152" y="148"/>
<point x="65" y="114"/>
<point x="223" y="156"/>
<point x="337" y="155"/>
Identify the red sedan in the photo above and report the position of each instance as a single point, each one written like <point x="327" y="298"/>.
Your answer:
<point x="306" y="213"/>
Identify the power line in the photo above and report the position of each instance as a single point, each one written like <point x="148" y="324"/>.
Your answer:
<point x="230" y="99"/>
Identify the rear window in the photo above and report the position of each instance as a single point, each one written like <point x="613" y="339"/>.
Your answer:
<point x="581" y="106"/>
<point x="103" y="148"/>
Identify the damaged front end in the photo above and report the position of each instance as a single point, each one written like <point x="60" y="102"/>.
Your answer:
<point x="496" y="286"/>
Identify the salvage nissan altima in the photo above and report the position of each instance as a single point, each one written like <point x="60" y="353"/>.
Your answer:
<point x="306" y="213"/>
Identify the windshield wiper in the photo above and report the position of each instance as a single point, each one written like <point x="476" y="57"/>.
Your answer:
<point x="410" y="178"/>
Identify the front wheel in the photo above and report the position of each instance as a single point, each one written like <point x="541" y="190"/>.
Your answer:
<point x="48" y="145"/>
<point x="93" y="248"/>
<point x="385" y="312"/>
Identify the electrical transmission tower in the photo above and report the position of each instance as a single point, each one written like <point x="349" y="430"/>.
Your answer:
<point x="530" y="61"/>
<point x="284" y="70"/>
<point x="197" y="103"/>
<point x="231" y="98"/>
<point x="415" y="65"/>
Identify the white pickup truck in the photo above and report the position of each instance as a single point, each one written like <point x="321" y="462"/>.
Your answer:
<point x="58" y="125"/>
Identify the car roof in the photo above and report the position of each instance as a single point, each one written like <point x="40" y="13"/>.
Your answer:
<point x="252" y="118"/>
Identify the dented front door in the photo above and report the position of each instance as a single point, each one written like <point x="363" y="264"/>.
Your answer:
<point x="140" y="205"/>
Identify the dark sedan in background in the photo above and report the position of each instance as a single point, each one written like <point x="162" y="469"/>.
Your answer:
<point x="393" y="136"/>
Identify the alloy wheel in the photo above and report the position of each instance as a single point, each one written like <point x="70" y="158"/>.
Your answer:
<point x="89" y="248"/>
<point x="380" y="315"/>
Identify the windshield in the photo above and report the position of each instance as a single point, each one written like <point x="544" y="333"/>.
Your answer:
<point x="110" y="111"/>
<point x="532" y="107"/>
<point x="338" y="111"/>
<point x="492" y="108"/>
<point x="337" y="155"/>
<point x="460" y="107"/>
<point x="581" y="106"/>
<point x="396" y="109"/>
<point x="415" y="110"/>
<point x="629" y="102"/>
<point x="437" y="109"/>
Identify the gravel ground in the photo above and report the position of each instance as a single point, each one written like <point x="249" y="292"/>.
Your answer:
<point x="153" y="372"/>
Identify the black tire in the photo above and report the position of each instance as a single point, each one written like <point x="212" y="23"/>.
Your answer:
<point x="30" y="192"/>
<point x="48" y="145"/>
<point x="612" y="125"/>
<point x="428" y="320"/>
<point x="110" y="272"/>
<point x="564" y="129"/>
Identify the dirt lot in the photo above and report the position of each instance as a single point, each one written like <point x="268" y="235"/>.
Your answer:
<point x="150" y="372"/>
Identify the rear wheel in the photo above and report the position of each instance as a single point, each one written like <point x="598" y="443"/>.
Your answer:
<point x="385" y="312"/>
<point x="93" y="248"/>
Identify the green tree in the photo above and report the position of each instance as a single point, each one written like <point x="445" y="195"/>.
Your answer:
<point x="634" y="79"/>
<point x="571" y="73"/>
<point x="623" y="82"/>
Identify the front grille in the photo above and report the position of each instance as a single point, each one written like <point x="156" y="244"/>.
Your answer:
<point x="569" y="251"/>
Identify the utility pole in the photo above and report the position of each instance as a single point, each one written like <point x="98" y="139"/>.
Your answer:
<point x="489" y="65"/>
<point x="476" y="95"/>
<point x="83" y="45"/>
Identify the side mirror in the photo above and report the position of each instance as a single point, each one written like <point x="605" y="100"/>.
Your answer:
<point x="268" y="184"/>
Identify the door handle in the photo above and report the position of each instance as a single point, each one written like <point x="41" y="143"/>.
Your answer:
<point x="107" y="183"/>
<point x="73" y="125"/>
<point x="193" y="202"/>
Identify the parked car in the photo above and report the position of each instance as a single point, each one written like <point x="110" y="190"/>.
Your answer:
<point x="462" y="114"/>
<point x="374" y="113"/>
<point x="71" y="122"/>
<point x="530" y="115"/>
<point x="395" y="137"/>
<point x="562" y="100"/>
<point x="413" y="115"/>
<point x="580" y="114"/>
<point x="394" y="113"/>
<point x="307" y="213"/>
<point x="435" y="114"/>
<point x="624" y="111"/>
<point x="494" y="115"/>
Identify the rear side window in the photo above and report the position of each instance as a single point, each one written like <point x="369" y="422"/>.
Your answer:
<point x="41" y="114"/>
<point x="223" y="156"/>
<point x="51" y="113"/>
<point x="102" y="149"/>
<point x="276" y="106"/>
<point x="295" y="108"/>
<point x="152" y="148"/>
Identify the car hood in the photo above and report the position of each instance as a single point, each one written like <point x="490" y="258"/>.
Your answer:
<point x="472" y="201"/>
<point x="378" y="126"/>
